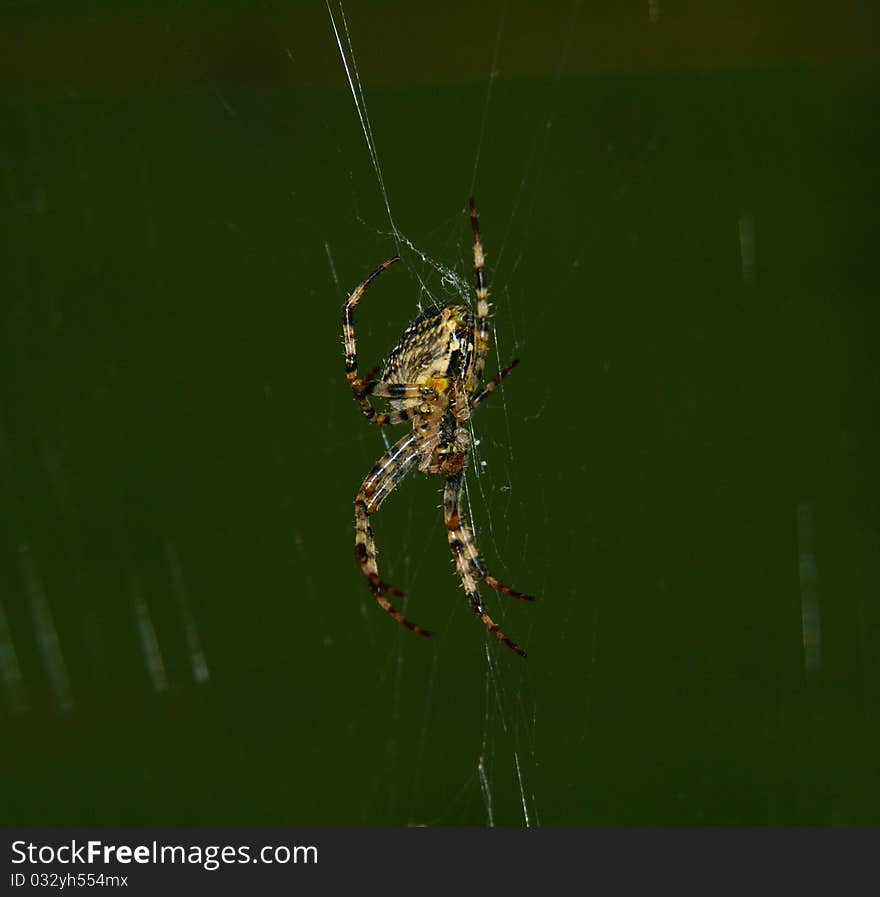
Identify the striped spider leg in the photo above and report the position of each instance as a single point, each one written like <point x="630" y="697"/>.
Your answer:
<point x="469" y="562"/>
<point x="363" y="389"/>
<point x="482" y="296"/>
<point x="388" y="471"/>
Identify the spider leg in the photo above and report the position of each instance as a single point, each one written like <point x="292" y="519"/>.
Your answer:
<point x="361" y="388"/>
<point x="482" y="296"/>
<point x="493" y="383"/>
<point x="461" y="541"/>
<point x="379" y="483"/>
<point x="381" y="390"/>
<point x="401" y="390"/>
<point x="468" y="562"/>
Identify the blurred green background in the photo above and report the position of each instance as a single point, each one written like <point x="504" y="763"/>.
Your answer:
<point x="679" y="206"/>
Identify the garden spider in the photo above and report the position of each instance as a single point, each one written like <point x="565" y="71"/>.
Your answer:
<point x="431" y="378"/>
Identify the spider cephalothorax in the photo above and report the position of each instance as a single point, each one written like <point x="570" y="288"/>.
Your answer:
<point x="431" y="378"/>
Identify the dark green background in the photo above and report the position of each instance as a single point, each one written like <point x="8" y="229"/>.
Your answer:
<point x="176" y="432"/>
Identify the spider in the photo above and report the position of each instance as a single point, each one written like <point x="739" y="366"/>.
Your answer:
<point x="430" y="378"/>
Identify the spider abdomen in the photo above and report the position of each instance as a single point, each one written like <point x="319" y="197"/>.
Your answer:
<point x="438" y="345"/>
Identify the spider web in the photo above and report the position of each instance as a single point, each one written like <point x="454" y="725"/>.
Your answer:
<point x="504" y="756"/>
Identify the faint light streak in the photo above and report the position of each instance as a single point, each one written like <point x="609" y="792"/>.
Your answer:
<point x="522" y="792"/>
<point x="332" y="267"/>
<point x="10" y="671"/>
<point x="809" y="580"/>
<point x="47" y="634"/>
<point x="654" y="11"/>
<point x="481" y="762"/>
<point x="487" y="793"/>
<point x="747" y="248"/>
<point x="226" y="105"/>
<point x="194" y="643"/>
<point x="147" y="631"/>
